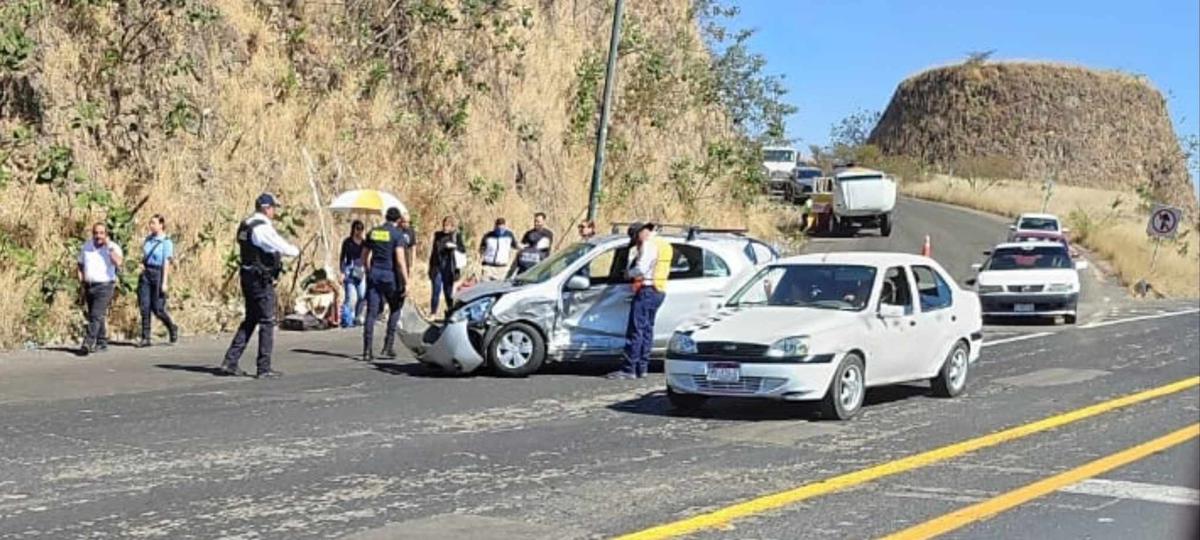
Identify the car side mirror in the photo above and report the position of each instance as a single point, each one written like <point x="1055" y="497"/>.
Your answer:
<point x="1081" y="265"/>
<point x="1066" y="230"/>
<point x="970" y="282"/>
<point x="1012" y="227"/>
<point x="891" y="311"/>
<point x="578" y="283"/>
<point x="987" y="253"/>
<point x="976" y="267"/>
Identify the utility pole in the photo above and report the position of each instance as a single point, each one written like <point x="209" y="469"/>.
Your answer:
<point x="602" y="132"/>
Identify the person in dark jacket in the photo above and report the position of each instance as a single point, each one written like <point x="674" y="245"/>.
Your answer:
<point x="539" y="236"/>
<point x="354" y="275"/>
<point x="444" y="267"/>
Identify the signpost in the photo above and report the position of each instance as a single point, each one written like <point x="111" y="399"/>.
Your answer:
<point x="1163" y="223"/>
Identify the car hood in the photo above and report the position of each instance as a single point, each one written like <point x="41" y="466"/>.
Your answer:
<point x="767" y="325"/>
<point x="486" y="288"/>
<point x="1028" y="277"/>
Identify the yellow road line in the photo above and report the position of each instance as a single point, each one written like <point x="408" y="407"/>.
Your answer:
<point x="722" y="517"/>
<point x="986" y="509"/>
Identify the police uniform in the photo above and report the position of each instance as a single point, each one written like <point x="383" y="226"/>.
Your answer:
<point x="261" y="249"/>
<point x="384" y="285"/>
<point x="649" y="272"/>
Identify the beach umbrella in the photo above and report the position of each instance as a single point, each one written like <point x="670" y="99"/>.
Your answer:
<point x="366" y="201"/>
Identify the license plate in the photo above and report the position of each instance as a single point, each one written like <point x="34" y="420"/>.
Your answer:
<point x="724" y="372"/>
<point x="1023" y="308"/>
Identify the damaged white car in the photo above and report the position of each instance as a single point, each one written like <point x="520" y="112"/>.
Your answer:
<point x="575" y="304"/>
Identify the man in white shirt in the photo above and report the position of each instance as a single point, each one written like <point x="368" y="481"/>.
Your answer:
<point x="261" y="249"/>
<point x="99" y="261"/>
<point x="649" y="269"/>
<point x="496" y="251"/>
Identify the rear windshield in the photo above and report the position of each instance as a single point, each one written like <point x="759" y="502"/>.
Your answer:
<point x="808" y="173"/>
<point x="779" y="155"/>
<point x="859" y="178"/>
<point x="1027" y="258"/>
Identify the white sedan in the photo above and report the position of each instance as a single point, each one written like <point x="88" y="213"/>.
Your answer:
<point x="827" y="327"/>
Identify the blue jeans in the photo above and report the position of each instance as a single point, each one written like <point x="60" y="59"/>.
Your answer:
<point x="356" y="296"/>
<point x="443" y="286"/>
<point x="382" y="291"/>
<point x="639" y="333"/>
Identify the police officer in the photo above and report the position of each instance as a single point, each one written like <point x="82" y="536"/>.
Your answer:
<point x="158" y="251"/>
<point x="649" y="269"/>
<point x="260" y="247"/>
<point x="387" y="277"/>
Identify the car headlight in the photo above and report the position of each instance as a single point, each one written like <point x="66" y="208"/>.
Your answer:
<point x="789" y="347"/>
<point x="990" y="289"/>
<point x="474" y="311"/>
<point x="1060" y="287"/>
<point x="681" y="344"/>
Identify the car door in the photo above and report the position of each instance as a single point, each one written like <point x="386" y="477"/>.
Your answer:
<point x="936" y="321"/>
<point x="593" y="321"/>
<point x="697" y="275"/>
<point x="892" y="339"/>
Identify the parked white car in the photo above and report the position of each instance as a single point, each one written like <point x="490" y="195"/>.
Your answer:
<point x="1043" y="223"/>
<point x="575" y="304"/>
<point x="827" y="327"/>
<point x="1029" y="279"/>
<point x="863" y="198"/>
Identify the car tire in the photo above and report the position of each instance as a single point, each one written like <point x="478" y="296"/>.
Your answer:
<point x="885" y="225"/>
<point x="952" y="378"/>
<point x="847" y="391"/>
<point x="685" y="402"/>
<point x="1069" y="319"/>
<point x="517" y="350"/>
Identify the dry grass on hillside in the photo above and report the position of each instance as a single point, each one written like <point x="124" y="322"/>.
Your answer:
<point x="263" y="85"/>
<point x="1110" y="223"/>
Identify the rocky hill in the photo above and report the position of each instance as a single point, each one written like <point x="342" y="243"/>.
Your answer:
<point x="1083" y="127"/>
<point x="114" y="110"/>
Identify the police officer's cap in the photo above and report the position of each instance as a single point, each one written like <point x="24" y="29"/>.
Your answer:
<point x="266" y="199"/>
<point x="393" y="214"/>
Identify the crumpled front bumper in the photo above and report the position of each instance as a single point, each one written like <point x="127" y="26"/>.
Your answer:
<point x="446" y="346"/>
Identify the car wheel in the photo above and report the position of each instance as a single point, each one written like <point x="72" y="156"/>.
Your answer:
<point x="885" y="225"/>
<point x="518" y="350"/>
<point x="952" y="379"/>
<point x="1069" y="319"/>
<point x="846" y="391"/>
<point x="685" y="402"/>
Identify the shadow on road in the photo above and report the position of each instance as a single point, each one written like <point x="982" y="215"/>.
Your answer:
<point x="655" y="404"/>
<point x="411" y="369"/>
<point x="64" y="349"/>
<point x="211" y="370"/>
<point x="329" y="354"/>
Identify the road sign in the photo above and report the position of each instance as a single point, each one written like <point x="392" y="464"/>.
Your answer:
<point x="1164" y="221"/>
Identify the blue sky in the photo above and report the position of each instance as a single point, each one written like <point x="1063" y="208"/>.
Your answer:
<point x="842" y="55"/>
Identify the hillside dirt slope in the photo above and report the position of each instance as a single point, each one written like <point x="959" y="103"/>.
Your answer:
<point x="473" y="108"/>
<point x="1087" y="128"/>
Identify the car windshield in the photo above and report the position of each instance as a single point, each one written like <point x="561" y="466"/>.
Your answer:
<point x="1038" y="224"/>
<point x="1029" y="258"/>
<point x="552" y="266"/>
<point x="859" y="178"/>
<point x="779" y="155"/>
<point x="808" y="173"/>
<point x="822" y="286"/>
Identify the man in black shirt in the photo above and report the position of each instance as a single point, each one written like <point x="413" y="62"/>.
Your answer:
<point x="387" y="276"/>
<point x="534" y="237"/>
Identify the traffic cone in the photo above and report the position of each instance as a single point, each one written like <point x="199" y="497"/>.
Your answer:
<point x="927" y="249"/>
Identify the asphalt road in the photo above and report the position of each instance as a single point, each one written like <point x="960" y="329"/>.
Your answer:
<point x="148" y="444"/>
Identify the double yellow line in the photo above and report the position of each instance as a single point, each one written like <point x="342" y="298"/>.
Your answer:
<point x="724" y="516"/>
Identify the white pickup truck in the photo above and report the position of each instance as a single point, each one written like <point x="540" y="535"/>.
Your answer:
<point x="779" y="167"/>
<point x="863" y="198"/>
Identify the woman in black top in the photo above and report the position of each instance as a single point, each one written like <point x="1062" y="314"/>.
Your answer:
<point x="444" y="268"/>
<point x="354" y="276"/>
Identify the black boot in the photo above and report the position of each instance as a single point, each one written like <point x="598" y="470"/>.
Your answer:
<point x="368" y="356"/>
<point x="145" y="342"/>
<point x="388" y="352"/>
<point x="174" y="331"/>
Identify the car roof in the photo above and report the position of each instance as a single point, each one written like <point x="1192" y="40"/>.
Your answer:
<point x="1034" y="233"/>
<point x="1030" y="245"/>
<point x="867" y="258"/>
<point x="1038" y="216"/>
<point x="859" y="171"/>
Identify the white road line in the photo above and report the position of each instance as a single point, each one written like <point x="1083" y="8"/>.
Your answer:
<point x="1137" y="491"/>
<point x="1016" y="338"/>
<point x="1141" y="318"/>
<point x="1090" y="326"/>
